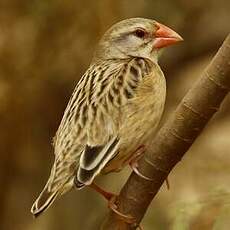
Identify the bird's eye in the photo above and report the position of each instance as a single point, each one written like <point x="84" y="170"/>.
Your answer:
<point x="140" y="33"/>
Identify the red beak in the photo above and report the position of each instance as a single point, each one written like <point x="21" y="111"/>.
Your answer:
<point x="164" y="36"/>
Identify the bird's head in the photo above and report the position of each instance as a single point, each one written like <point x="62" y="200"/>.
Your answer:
<point x="135" y="37"/>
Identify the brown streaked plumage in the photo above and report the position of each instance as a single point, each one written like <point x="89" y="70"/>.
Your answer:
<point x="114" y="109"/>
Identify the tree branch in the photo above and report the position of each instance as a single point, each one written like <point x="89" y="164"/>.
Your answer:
<point x="174" y="139"/>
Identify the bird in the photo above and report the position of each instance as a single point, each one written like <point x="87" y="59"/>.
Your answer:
<point x="114" y="109"/>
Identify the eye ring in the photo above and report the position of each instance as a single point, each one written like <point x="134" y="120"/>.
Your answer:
<point x="139" y="33"/>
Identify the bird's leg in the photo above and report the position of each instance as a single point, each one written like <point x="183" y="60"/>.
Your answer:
<point x="112" y="200"/>
<point x="107" y="195"/>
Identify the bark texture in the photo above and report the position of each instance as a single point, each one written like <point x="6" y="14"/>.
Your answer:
<point x="173" y="140"/>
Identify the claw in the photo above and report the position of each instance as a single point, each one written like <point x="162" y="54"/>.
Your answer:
<point x="134" y="166"/>
<point x="126" y="218"/>
<point x="133" y="162"/>
<point x="167" y="183"/>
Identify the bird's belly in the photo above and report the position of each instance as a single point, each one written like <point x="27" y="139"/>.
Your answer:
<point x="143" y="114"/>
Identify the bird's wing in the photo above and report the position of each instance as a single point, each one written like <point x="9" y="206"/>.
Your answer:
<point x="87" y="127"/>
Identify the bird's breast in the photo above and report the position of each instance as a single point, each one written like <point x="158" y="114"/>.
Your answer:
<point x="141" y="116"/>
<point x="144" y="110"/>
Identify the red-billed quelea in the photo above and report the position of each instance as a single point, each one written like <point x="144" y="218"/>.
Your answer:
<point x="114" y="109"/>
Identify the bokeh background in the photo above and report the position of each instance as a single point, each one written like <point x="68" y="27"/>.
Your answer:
<point x="45" y="46"/>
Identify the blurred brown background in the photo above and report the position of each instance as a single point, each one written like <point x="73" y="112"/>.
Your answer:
<point x="45" y="46"/>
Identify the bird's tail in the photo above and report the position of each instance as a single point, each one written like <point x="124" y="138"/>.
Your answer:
<point x="45" y="199"/>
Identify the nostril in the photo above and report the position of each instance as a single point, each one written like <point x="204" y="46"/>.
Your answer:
<point x="157" y="25"/>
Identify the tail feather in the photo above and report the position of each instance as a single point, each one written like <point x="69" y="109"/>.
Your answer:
<point x="45" y="199"/>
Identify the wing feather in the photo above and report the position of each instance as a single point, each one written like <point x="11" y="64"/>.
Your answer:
<point x="93" y="161"/>
<point x="92" y="156"/>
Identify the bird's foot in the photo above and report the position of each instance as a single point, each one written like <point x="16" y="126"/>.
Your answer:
<point x="133" y="162"/>
<point x="113" y="206"/>
<point x="112" y="200"/>
<point x="123" y="217"/>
